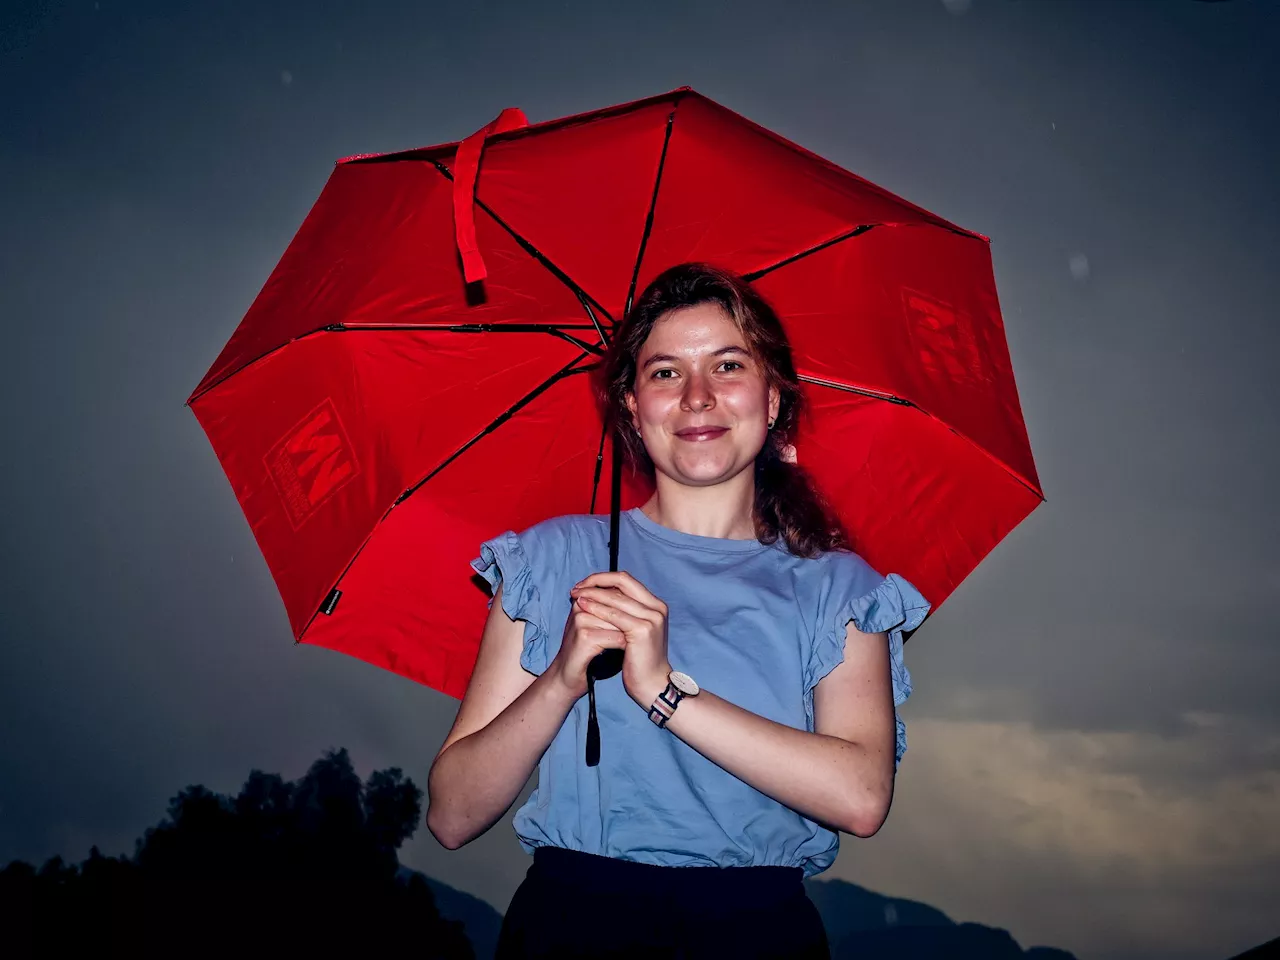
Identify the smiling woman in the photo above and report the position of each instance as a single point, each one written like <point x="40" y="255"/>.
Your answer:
<point x="718" y="795"/>
<point x="702" y="351"/>
<point x="700" y="408"/>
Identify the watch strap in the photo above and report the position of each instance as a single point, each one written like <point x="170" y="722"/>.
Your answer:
<point x="664" y="704"/>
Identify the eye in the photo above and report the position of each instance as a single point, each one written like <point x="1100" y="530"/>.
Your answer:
<point x="661" y="373"/>
<point x="731" y="366"/>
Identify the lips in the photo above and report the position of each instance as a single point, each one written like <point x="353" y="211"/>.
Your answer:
<point x="699" y="434"/>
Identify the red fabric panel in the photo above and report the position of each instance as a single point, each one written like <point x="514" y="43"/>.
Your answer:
<point x="911" y="312"/>
<point x="735" y="194"/>
<point x="918" y="499"/>
<point x="379" y="247"/>
<point x="320" y="438"/>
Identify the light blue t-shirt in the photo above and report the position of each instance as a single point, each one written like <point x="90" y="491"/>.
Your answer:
<point x="751" y="623"/>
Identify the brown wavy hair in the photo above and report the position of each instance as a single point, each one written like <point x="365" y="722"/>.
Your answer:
<point x="787" y="505"/>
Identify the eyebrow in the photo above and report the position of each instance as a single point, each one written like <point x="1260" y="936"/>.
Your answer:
<point x="668" y="358"/>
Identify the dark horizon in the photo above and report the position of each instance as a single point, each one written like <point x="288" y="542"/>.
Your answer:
<point x="1094" y="729"/>
<point x="317" y="857"/>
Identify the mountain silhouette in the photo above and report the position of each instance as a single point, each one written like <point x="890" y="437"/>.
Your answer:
<point x="870" y="926"/>
<point x="1264" y="951"/>
<point x="480" y="921"/>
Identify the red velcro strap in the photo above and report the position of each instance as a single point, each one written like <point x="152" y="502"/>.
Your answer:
<point x="466" y="170"/>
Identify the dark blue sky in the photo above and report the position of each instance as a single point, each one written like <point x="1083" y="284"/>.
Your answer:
<point x="1095" y="729"/>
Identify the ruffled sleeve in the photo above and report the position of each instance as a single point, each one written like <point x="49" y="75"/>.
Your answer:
<point x="503" y="561"/>
<point x="893" y="607"/>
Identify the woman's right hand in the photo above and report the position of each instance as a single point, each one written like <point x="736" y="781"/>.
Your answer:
<point x="584" y="638"/>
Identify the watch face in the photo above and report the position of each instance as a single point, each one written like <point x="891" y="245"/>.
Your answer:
<point x="684" y="683"/>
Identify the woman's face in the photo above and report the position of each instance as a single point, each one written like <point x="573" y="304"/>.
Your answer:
<point x="701" y="402"/>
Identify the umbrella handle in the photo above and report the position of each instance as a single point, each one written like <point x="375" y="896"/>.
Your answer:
<point x="466" y="170"/>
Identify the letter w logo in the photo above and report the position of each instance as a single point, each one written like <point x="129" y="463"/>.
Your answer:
<point x="311" y="462"/>
<point x="317" y="452"/>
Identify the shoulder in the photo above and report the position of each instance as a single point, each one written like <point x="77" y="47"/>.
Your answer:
<point x="842" y="586"/>
<point x="564" y="535"/>
<point x="839" y="571"/>
<point x="568" y="527"/>
<point x="875" y="602"/>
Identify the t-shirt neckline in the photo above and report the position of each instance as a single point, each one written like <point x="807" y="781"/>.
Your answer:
<point x="688" y="540"/>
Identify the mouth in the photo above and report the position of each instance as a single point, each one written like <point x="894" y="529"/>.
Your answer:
<point x="701" y="434"/>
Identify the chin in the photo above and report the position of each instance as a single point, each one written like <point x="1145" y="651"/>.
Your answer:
<point x="703" y="474"/>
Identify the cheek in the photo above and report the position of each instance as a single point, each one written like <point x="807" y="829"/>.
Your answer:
<point x="747" y="399"/>
<point x="653" y="406"/>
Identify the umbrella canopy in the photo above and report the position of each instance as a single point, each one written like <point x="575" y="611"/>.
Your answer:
<point x="379" y="416"/>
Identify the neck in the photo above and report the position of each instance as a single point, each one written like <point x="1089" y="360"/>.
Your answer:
<point x="724" y="511"/>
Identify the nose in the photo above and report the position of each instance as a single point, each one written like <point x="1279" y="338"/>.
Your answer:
<point x="698" y="395"/>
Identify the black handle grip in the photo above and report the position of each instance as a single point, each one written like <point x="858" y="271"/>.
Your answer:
<point x="593" y="725"/>
<point x="602" y="667"/>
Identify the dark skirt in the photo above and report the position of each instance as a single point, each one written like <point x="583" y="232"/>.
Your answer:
<point x="580" y="905"/>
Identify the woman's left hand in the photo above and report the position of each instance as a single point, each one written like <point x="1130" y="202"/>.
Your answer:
<point x="625" y="602"/>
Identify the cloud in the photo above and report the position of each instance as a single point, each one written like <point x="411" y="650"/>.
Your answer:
<point x="1163" y="847"/>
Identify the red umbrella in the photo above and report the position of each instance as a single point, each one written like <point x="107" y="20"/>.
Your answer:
<point x="379" y="416"/>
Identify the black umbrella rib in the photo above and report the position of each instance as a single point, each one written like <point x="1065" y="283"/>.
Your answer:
<point x="861" y="391"/>
<point x="847" y="235"/>
<point x="555" y="330"/>
<point x="567" y="370"/>
<point x="530" y="249"/>
<point x="653" y="205"/>
<point x="595" y="481"/>
<point x="595" y="322"/>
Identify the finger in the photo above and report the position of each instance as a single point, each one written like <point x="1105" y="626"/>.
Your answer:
<point x="617" y="618"/>
<point x="629" y="585"/>
<point x="607" y="639"/>
<point x="588" y="621"/>
<point x="615" y="599"/>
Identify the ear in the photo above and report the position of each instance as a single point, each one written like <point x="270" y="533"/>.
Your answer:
<point x="775" y="403"/>
<point x="631" y="406"/>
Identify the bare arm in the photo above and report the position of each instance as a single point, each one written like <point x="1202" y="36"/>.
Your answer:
<point x="842" y="774"/>
<point x="504" y="725"/>
<point x="507" y="720"/>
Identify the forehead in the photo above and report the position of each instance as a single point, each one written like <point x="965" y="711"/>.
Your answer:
<point x="704" y="326"/>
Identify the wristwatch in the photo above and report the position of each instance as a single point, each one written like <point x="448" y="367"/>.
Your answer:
<point x="679" y="686"/>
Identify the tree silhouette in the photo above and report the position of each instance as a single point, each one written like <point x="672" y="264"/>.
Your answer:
<point x="308" y="865"/>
